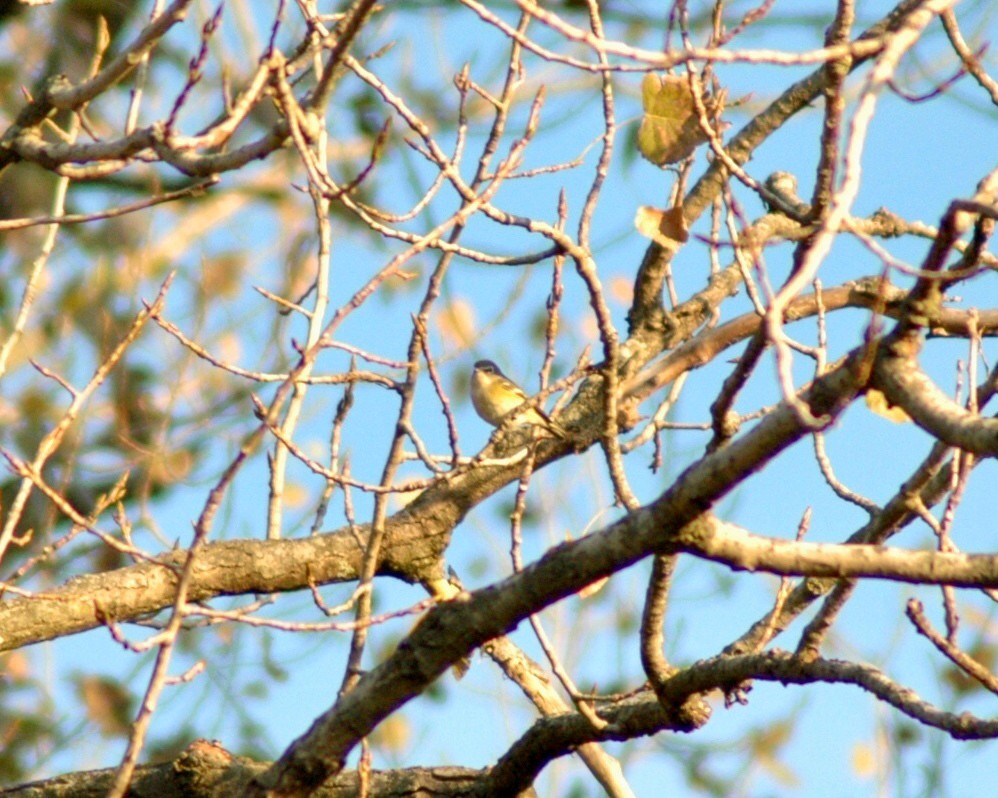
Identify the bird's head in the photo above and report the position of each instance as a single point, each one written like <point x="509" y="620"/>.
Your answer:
<point x="487" y="367"/>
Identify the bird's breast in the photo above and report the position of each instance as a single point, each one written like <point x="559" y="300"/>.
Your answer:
<point x="485" y="407"/>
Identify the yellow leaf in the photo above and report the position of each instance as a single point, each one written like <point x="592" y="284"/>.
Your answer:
<point x="670" y="128"/>
<point x="878" y="403"/>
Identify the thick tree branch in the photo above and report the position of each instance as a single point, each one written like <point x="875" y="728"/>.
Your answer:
<point x="904" y="384"/>
<point x="205" y="770"/>
<point x="785" y="668"/>
<point x="725" y="543"/>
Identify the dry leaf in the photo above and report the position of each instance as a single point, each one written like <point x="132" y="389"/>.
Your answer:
<point x="406" y="497"/>
<point x="667" y="228"/>
<point x="392" y="734"/>
<point x="229" y="347"/>
<point x="169" y="467"/>
<point x="16" y="667"/>
<point x="108" y="704"/>
<point x="864" y="762"/>
<point x="780" y="773"/>
<point x="457" y="323"/>
<point x="670" y="128"/>
<point x="295" y="495"/>
<point x="622" y="289"/>
<point x="222" y="276"/>
<point x="878" y="403"/>
<point x="628" y="416"/>
<point x="592" y="588"/>
<point x="589" y="327"/>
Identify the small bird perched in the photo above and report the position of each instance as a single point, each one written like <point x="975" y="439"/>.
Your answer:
<point x="495" y="397"/>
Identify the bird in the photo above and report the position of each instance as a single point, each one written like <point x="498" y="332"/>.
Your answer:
<point x="496" y="397"/>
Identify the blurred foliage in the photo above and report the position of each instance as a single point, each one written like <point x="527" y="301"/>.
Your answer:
<point x="107" y="703"/>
